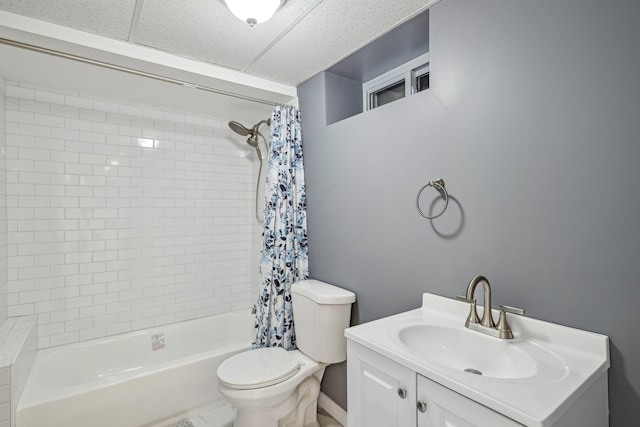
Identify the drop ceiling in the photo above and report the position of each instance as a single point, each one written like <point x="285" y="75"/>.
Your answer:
<point x="303" y="38"/>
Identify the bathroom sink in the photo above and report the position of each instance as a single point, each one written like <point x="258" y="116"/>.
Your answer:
<point x="532" y="378"/>
<point x="468" y="351"/>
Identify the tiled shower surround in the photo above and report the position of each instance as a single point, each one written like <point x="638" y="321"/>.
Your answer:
<point x="122" y="216"/>
<point x="3" y="210"/>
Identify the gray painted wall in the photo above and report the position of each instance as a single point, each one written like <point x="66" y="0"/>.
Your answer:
<point x="533" y="120"/>
<point x="345" y="98"/>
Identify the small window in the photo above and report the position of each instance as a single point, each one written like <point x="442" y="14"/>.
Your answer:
<point x="409" y="78"/>
<point x="387" y="94"/>
<point x="421" y="78"/>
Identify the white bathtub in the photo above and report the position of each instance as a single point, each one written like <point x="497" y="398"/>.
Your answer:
<point x="120" y="381"/>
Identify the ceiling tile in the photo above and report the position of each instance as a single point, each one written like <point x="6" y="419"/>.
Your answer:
<point x="303" y="38"/>
<point x="206" y="30"/>
<point x="108" y="18"/>
<point x="333" y="30"/>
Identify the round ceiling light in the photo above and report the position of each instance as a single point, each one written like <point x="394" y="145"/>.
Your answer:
<point x="253" y="11"/>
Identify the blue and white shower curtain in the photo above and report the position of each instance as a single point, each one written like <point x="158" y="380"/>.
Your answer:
<point x="284" y="240"/>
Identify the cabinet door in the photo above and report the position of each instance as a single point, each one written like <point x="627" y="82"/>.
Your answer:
<point x="446" y="408"/>
<point x="380" y="392"/>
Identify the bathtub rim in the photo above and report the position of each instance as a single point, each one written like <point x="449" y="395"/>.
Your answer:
<point x="46" y="394"/>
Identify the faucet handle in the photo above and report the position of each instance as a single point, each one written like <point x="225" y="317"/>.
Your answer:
<point x="504" y="330"/>
<point x="473" y="313"/>
<point x="512" y="310"/>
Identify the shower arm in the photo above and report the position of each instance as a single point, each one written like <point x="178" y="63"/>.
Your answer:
<point x="255" y="130"/>
<point x="260" y="123"/>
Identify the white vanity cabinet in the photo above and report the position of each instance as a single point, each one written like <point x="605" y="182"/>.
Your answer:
<point x="382" y="393"/>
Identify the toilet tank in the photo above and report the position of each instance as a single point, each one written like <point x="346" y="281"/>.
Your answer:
<point x="321" y="313"/>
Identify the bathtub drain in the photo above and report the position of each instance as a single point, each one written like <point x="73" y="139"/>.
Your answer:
<point x="473" y="371"/>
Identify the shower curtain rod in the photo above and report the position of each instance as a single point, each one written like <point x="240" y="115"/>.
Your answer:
<point x="130" y="71"/>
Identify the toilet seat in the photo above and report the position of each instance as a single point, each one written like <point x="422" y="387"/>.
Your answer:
<point x="258" y="368"/>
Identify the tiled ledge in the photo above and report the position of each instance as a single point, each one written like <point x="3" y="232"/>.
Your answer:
<point x="13" y="333"/>
<point x="18" y="348"/>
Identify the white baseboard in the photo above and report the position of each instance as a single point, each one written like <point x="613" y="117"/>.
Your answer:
<point x="332" y="408"/>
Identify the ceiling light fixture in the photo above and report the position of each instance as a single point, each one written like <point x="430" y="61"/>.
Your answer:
<point x="254" y="11"/>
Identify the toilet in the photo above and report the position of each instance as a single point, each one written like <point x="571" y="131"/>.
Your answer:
<point x="273" y="387"/>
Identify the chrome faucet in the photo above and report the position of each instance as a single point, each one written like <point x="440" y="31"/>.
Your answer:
<point x="487" y="317"/>
<point x="487" y="325"/>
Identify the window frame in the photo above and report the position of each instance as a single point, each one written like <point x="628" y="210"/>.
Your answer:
<point x="406" y="72"/>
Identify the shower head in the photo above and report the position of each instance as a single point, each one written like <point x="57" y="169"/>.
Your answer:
<point x="239" y="129"/>
<point x="253" y="139"/>
<point x="253" y="132"/>
<point x="244" y="131"/>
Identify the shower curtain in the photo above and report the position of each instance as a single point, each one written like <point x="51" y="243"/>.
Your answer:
<point x="284" y="239"/>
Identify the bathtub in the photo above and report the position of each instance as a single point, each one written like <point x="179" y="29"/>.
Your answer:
<point x="143" y="378"/>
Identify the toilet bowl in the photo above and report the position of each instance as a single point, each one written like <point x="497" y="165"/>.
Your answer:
<point x="274" y="395"/>
<point x="273" y="387"/>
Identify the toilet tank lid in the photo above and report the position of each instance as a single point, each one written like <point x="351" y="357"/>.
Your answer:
<point x="322" y="293"/>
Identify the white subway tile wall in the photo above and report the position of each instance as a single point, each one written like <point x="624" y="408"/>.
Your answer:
<point x="3" y="206"/>
<point x="123" y="216"/>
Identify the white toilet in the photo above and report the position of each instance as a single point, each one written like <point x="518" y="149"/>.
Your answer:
<point x="272" y="387"/>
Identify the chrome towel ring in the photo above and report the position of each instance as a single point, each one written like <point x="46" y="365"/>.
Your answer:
<point x="438" y="184"/>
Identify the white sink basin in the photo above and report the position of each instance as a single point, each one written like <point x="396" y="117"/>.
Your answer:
<point x="469" y="351"/>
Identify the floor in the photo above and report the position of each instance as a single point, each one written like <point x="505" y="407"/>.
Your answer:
<point x="223" y="417"/>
